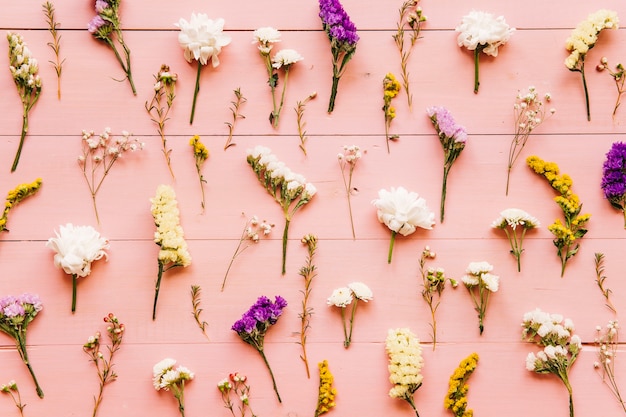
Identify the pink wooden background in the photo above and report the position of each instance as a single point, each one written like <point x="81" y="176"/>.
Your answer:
<point x="441" y="74"/>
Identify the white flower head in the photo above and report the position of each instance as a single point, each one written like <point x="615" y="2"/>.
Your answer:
<point x="477" y="268"/>
<point x="341" y="297"/>
<point x="484" y="31"/>
<point x="514" y="217"/>
<point x="76" y="248"/>
<point x="490" y="281"/>
<point x="286" y="58"/>
<point x="266" y="36"/>
<point x="202" y="38"/>
<point x="361" y="291"/>
<point x="403" y="211"/>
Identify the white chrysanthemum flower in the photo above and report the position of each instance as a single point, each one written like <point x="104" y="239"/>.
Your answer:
<point x="403" y="211"/>
<point x="361" y="291"/>
<point x="490" y="281"/>
<point x="76" y="248"/>
<point x="160" y="369"/>
<point x="514" y="217"/>
<point x="530" y="361"/>
<point x="477" y="268"/>
<point x="266" y="36"/>
<point x="202" y="38"/>
<point x="341" y="297"/>
<point x="286" y="58"/>
<point x="484" y="31"/>
<point x="470" y="280"/>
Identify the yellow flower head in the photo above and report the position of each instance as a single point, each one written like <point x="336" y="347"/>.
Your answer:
<point x="456" y="400"/>
<point x="326" y="398"/>
<point x="16" y="195"/>
<point x="391" y="86"/>
<point x="200" y="152"/>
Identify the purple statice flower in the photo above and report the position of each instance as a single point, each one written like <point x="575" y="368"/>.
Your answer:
<point x="452" y="137"/>
<point x="614" y="177"/>
<point x="14" y="310"/>
<point x="33" y="300"/>
<point x="101" y="5"/>
<point x="96" y="23"/>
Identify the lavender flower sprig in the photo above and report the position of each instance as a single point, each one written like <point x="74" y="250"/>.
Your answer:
<point x="452" y="137"/>
<point x="343" y="39"/>
<point x="614" y="177"/>
<point x="16" y="313"/>
<point x="255" y="323"/>
<point x="104" y="25"/>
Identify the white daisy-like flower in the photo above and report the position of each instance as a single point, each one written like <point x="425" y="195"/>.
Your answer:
<point x="361" y="291"/>
<point x="514" y="217"/>
<point x="341" y="297"/>
<point x="266" y="36"/>
<point x="286" y="58"/>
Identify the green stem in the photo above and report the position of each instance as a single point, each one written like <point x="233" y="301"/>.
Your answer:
<point x="356" y="303"/>
<point x="412" y="403"/>
<point x="582" y="72"/>
<point x="624" y="214"/>
<point x="346" y="339"/>
<point x="21" y="348"/>
<point x="285" y="238"/>
<point x="195" y="93"/>
<point x="271" y="374"/>
<point x="442" y="209"/>
<point x="333" y="94"/>
<point x="74" y="282"/>
<point x="22" y="137"/>
<point x="476" y="75"/>
<point x="393" y="240"/>
<point x="569" y="391"/>
<point x="156" y="290"/>
<point x="282" y="99"/>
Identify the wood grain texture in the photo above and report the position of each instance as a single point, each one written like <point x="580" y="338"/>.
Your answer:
<point x="441" y="74"/>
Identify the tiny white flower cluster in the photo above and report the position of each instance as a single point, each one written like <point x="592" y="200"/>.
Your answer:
<point x="351" y="154"/>
<point x="23" y="66"/>
<point x="169" y="234"/>
<point x="530" y="111"/>
<point x="105" y="145"/>
<point x="405" y="363"/>
<point x="514" y="217"/>
<point x="252" y="231"/>
<point x="479" y="274"/>
<point x="343" y="297"/>
<point x="607" y="345"/>
<point x="165" y="377"/>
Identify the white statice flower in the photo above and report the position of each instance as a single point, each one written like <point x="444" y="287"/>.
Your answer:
<point x="169" y="234"/>
<point x="361" y="291"/>
<point x="285" y="58"/>
<point x="483" y="31"/>
<point x="340" y="297"/>
<point x="266" y="36"/>
<point x="202" y="39"/>
<point x="76" y="247"/>
<point x="477" y="268"/>
<point x="514" y="217"/>
<point x="405" y="363"/>
<point x="166" y="377"/>
<point x="403" y="211"/>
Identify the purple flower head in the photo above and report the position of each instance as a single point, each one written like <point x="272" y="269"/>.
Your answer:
<point x="101" y="5"/>
<point x="614" y="175"/>
<point x="6" y="301"/>
<point x="32" y="299"/>
<point x="337" y="23"/>
<point x="14" y="310"/>
<point x="96" y="23"/>
<point x="259" y="317"/>
<point x="445" y="124"/>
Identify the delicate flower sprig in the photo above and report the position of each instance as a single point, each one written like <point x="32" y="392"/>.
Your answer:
<point x="255" y="323"/>
<point x="104" y="366"/>
<point x="573" y="229"/>
<point x="300" y="107"/>
<point x="196" y="310"/>
<point x="164" y="86"/>
<point x="583" y="38"/>
<point x="106" y="26"/>
<point x="600" y="278"/>
<point x="348" y="160"/>
<point x="482" y="32"/>
<point x="289" y="189"/>
<point x="308" y="272"/>
<point x="16" y="313"/>
<point x="513" y="220"/>
<point x="252" y="231"/>
<point x="456" y="399"/>
<point x="402" y="212"/>
<point x="236" y="112"/>
<point x="11" y="388"/>
<point x="614" y="177"/>
<point x="405" y="364"/>
<point x="285" y="58"/>
<point x="560" y="346"/>
<point x="342" y="298"/>
<point x="326" y="395"/>
<point x="14" y="197"/>
<point x="391" y="88"/>
<point x="236" y="384"/>
<point x="453" y="138"/>
<point x="618" y="77"/>
<point x="55" y="45"/>
<point x="24" y="70"/>
<point x="166" y="378"/>
<point x="202" y="40"/>
<point x="608" y="343"/>
<point x="99" y="155"/>
<point x="480" y="282"/>
<point x="200" y="155"/>
<point x="343" y="39"/>
<point x="529" y="112"/>
<point x="76" y="247"/>
<point x="433" y="283"/>
<point x="411" y="19"/>
<point x="169" y="235"/>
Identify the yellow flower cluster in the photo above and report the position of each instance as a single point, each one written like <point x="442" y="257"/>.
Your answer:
<point x="326" y="398"/>
<point x="585" y="36"/>
<point x="391" y="88"/>
<point x="16" y="195"/>
<point x="456" y="400"/>
<point x="200" y="152"/>
<point x="405" y="363"/>
<point x="169" y="235"/>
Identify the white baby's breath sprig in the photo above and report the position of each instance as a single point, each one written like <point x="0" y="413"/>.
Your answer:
<point x="515" y="223"/>
<point x="347" y="161"/>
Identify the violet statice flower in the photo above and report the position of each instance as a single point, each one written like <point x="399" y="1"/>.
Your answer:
<point x="16" y="313"/>
<point x="614" y="177"/>
<point x="343" y="39"/>
<point x="453" y="138"/>
<point x="255" y="322"/>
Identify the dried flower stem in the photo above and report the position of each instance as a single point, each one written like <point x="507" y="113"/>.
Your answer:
<point x="414" y="21"/>
<point x="608" y="344"/>
<point x="196" y="310"/>
<point x="200" y="154"/>
<point x="600" y="278"/>
<point x="308" y="272"/>
<point x="55" y="45"/>
<point x="164" y="86"/>
<point x="17" y="398"/>
<point x="300" y="107"/>
<point x="618" y="77"/>
<point x="239" y="100"/>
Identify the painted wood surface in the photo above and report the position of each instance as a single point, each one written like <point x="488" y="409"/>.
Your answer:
<point x="441" y="74"/>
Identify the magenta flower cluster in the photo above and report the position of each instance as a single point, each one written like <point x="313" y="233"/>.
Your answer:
<point x="255" y="322"/>
<point x="337" y="23"/>
<point x="614" y="175"/>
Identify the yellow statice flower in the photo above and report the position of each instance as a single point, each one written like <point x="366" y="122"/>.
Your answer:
<point x="326" y="397"/>
<point x="573" y="228"/>
<point x="15" y="196"/>
<point x="200" y="154"/>
<point x="456" y="399"/>
<point x="391" y="88"/>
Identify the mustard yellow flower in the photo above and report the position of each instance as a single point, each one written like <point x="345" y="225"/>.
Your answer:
<point x="16" y="195"/>
<point x="456" y="399"/>
<point x="326" y="397"/>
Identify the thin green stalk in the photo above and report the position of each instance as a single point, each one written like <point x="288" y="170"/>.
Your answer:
<point x="74" y="284"/>
<point x="393" y="240"/>
<point x="285" y="238"/>
<point x="476" y="62"/>
<point x="195" y="93"/>
<point x="346" y="339"/>
<point x="156" y="290"/>
<point x="22" y="137"/>
<point x="271" y="373"/>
